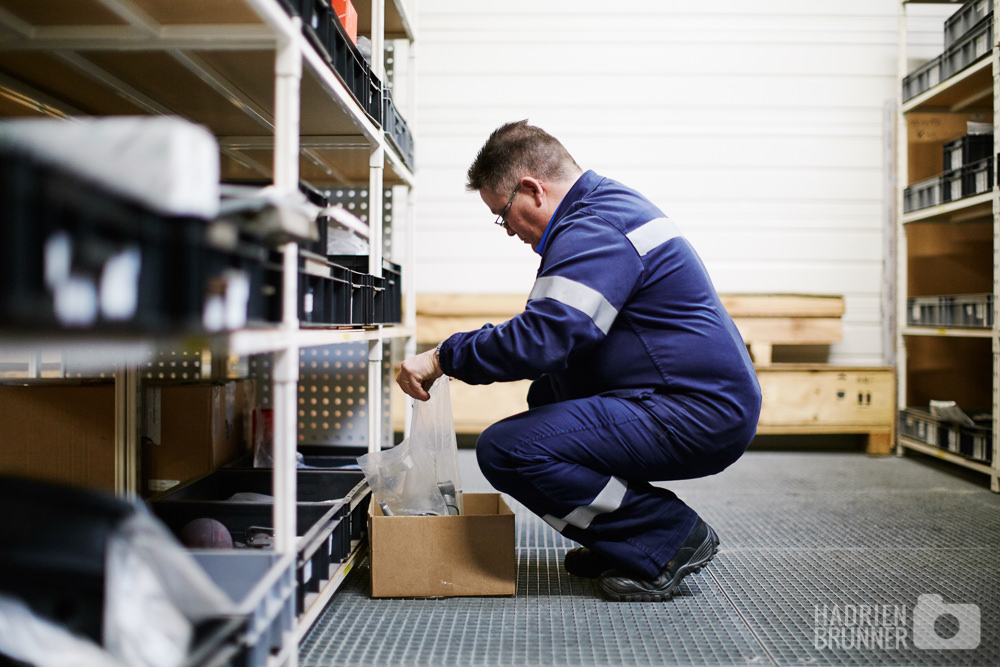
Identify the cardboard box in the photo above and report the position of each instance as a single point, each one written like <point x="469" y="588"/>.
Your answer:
<point x="444" y="556"/>
<point x="191" y="429"/>
<point x="59" y="431"/>
<point x="348" y="16"/>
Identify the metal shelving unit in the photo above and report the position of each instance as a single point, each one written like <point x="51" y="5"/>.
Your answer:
<point x="245" y="70"/>
<point x="953" y="247"/>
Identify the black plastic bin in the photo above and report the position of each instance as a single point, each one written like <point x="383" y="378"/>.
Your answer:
<point x="971" y="47"/>
<point x="322" y="529"/>
<point x="952" y="185"/>
<point x="317" y="23"/>
<point x="923" y="78"/>
<point x="922" y="195"/>
<point x="383" y="302"/>
<point x="325" y="292"/>
<point x="318" y="457"/>
<point x="977" y="177"/>
<point x="397" y="130"/>
<point x="54" y="554"/>
<point x="966" y="150"/>
<point x="60" y="229"/>
<point x="54" y="547"/>
<point x="968" y="16"/>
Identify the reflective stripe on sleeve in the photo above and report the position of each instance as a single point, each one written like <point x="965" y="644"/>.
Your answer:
<point x="652" y="234"/>
<point x="608" y="500"/>
<point x="576" y="295"/>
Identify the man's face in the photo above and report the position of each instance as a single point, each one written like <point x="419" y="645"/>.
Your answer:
<point x="521" y="217"/>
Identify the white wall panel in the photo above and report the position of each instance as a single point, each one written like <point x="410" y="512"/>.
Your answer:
<point x="757" y="126"/>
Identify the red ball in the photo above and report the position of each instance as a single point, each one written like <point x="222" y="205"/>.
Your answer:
<point x="206" y="533"/>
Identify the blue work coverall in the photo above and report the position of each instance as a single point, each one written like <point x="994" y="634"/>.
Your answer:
<point x="639" y="375"/>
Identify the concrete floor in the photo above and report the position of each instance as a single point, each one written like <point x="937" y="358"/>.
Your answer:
<point x="826" y="559"/>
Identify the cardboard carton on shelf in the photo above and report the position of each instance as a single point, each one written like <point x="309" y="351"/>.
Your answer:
<point x="191" y="429"/>
<point x="65" y="430"/>
<point x="59" y="431"/>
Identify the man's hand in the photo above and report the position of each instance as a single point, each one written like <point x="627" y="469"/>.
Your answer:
<point x="418" y="373"/>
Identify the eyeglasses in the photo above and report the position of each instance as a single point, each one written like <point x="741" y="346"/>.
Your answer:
<point x="502" y="218"/>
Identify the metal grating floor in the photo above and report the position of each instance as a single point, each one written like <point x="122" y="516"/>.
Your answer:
<point x="813" y="546"/>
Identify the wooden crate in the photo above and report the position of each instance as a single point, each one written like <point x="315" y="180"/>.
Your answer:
<point x="817" y="398"/>
<point x="764" y="320"/>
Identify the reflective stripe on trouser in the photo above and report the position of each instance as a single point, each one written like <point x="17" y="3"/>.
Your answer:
<point x="584" y="466"/>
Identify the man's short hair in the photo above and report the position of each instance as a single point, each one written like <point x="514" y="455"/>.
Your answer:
<point x="515" y="150"/>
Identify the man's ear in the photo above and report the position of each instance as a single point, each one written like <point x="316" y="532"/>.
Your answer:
<point x="532" y="186"/>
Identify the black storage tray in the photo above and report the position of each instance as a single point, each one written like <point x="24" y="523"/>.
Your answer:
<point x="952" y="185"/>
<point x="977" y="177"/>
<point x="54" y="548"/>
<point x="393" y="304"/>
<point x="322" y="222"/>
<point x="968" y="49"/>
<point x="374" y="300"/>
<point x="340" y="487"/>
<point x="362" y="298"/>
<point x="965" y="19"/>
<point x="923" y="78"/>
<point x="316" y="456"/>
<point x="922" y="195"/>
<point x="397" y="130"/>
<point x="971" y="442"/>
<point x="322" y="529"/>
<point x="966" y="150"/>
<point x="182" y="263"/>
<point x="265" y="611"/>
<point x="54" y="558"/>
<point x="317" y="23"/>
<point x="213" y="264"/>
<point x="338" y="304"/>
<point x="325" y="32"/>
<point x="312" y="486"/>
<point x="48" y="207"/>
<point x="325" y="292"/>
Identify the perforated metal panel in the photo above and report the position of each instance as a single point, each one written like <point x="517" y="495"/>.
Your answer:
<point x="174" y="364"/>
<point x="161" y="364"/>
<point x="333" y="394"/>
<point x="333" y="401"/>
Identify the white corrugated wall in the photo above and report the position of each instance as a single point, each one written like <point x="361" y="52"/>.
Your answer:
<point x="757" y="126"/>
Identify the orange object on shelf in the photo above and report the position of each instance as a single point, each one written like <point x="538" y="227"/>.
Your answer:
<point x="348" y="16"/>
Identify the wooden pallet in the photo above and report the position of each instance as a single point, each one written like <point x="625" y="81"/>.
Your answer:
<point x="769" y="320"/>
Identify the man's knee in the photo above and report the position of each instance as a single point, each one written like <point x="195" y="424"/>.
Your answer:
<point x="489" y="454"/>
<point x="497" y="452"/>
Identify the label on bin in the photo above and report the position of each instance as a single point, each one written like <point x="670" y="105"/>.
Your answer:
<point x="158" y="485"/>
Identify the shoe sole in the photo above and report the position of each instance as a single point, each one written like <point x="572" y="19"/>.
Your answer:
<point x="705" y="553"/>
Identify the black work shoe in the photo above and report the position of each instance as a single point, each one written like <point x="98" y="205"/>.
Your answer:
<point x="699" y="548"/>
<point x="583" y="562"/>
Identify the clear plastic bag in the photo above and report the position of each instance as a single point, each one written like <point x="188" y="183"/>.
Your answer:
<point x="420" y="475"/>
